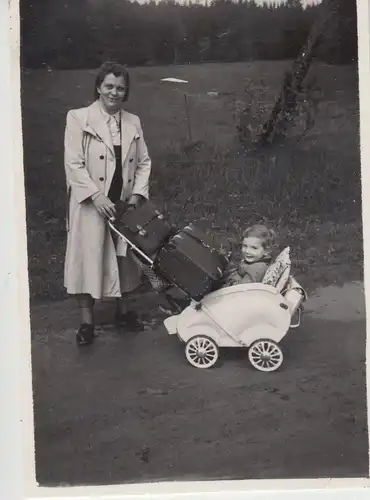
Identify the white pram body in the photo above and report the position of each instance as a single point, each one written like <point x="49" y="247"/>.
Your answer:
<point x="255" y="316"/>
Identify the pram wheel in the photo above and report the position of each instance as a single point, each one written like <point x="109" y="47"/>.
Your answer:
<point x="265" y="355"/>
<point x="201" y="351"/>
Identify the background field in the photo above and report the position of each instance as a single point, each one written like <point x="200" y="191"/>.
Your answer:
<point x="307" y="189"/>
<point x="132" y="409"/>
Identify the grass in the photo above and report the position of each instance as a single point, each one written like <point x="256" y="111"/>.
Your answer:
<point x="310" y="190"/>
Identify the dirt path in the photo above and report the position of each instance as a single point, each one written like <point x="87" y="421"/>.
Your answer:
<point x="131" y="409"/>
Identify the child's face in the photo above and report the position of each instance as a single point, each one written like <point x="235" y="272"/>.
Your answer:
<point x="253" y="249"/>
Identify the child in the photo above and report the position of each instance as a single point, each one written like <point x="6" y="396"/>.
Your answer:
<point x="257" y="245"/>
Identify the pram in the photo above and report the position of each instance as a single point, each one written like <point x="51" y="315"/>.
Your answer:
<point x="254" y="316"/>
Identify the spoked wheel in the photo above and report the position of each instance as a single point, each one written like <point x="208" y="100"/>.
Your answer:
<point x="265" y="355"/>
<point x="201" y="351"/>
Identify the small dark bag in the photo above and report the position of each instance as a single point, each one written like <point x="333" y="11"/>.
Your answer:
<point x="145" y="226"/>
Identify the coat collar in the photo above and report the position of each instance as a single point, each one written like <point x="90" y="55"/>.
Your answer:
<point x="128" y="133"/>
<point x="96" y="124"/>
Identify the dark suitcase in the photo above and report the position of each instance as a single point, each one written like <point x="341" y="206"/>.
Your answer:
<point x="192" y="261"/>
<point x="145" y="226"/>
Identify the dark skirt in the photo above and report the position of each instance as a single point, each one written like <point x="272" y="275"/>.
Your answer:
<point x="115" y="189"/>
<point x="130" y="272"/>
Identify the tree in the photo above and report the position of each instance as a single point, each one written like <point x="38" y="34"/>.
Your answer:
<point x="285" y="106"/>
<point x="82" y="33"/>
<point x="339" y="42"/>
<point x="294" y="4"/>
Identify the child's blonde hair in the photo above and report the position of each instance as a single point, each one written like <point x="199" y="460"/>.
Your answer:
<point x="266" y="235"/>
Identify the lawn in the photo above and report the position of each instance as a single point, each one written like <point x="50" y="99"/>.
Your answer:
<point x="171" y="421"/>
<point x="309" y="189"/>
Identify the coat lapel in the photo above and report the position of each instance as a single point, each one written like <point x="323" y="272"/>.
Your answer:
<point x="97" y="125"/>
<point x="128" y="134"/>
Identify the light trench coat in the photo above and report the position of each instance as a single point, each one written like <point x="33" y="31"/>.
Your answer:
<point x="91" y="264"/>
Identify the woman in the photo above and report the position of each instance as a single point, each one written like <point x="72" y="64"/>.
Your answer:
<point x="106" y="160"/>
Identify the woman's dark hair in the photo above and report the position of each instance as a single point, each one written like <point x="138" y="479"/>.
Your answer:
<point x="117" y="69"/>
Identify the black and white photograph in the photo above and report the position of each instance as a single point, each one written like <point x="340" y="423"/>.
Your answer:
<point x="192" y="171"/>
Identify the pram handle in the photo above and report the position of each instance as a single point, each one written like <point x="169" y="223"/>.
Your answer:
<point x="132" y="246"/>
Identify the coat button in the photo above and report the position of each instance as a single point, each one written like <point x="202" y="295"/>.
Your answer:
<point x="131" y="159"/>
<point x="101" y="157"/>
<point x="101" y="178"/>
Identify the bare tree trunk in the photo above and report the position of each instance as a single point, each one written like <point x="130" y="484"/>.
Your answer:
<point x="286" y="103"/>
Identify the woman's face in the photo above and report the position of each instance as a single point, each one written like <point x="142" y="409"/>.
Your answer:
<point x="112" y="92"/>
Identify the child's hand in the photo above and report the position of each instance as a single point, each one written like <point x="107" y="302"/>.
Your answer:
<point x="224" y="251"/>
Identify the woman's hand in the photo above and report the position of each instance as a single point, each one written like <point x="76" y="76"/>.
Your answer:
<point x="104" y="206"/>
<point x="134" y="201"/>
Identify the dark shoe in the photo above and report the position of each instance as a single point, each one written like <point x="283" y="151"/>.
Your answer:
<point x="85" y="335"/>
<point x="129" y="320"/>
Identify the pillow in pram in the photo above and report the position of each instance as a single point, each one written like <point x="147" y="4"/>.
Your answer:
<point x="277" y="274"/>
